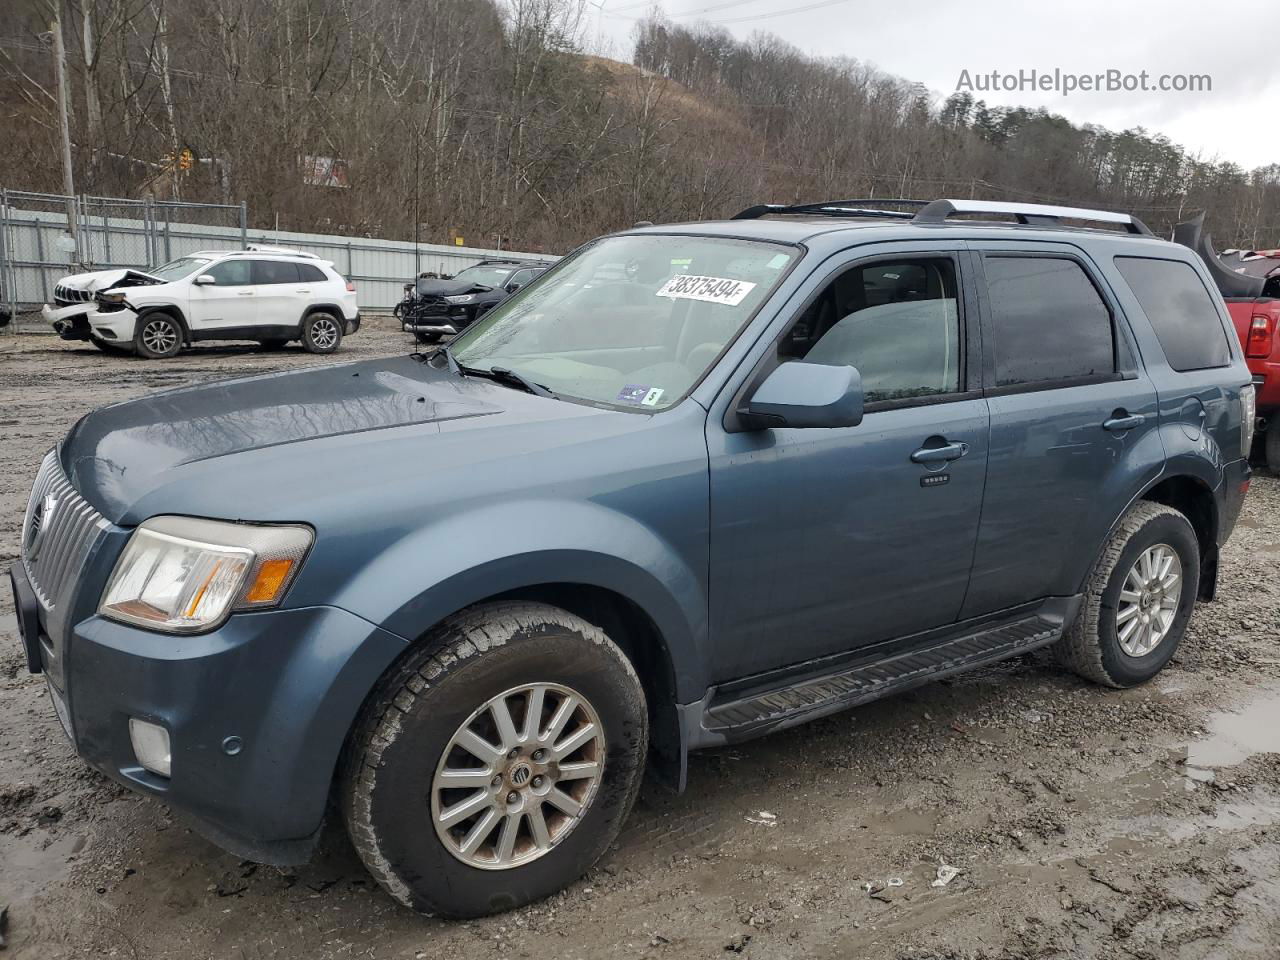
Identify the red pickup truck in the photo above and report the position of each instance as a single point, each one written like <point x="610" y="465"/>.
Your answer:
<point x="1250" y="284"/>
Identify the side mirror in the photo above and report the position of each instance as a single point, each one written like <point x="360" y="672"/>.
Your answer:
<point x="800" y="394"/>
<point x="513" y="287"/>
<point x="204" y="280"/>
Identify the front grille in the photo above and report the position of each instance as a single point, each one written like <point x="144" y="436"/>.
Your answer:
<point x="58" y="531"/>
<point x="66" y="296"/>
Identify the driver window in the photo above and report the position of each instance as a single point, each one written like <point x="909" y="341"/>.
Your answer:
<point x="230" y="273"/>
<point x="896" y="321"/>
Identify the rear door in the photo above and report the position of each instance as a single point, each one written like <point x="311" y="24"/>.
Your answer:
<point x="1074" y="422"/>
<point x="282" y="295"/>
<point x="230" y="301"/>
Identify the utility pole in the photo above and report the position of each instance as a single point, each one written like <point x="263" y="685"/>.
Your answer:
<point x="64" y="123"/>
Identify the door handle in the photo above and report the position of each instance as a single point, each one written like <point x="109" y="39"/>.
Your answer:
<point x="244" y="293"/>
<point x="950" y="451"/>
<point x="1122" y="423"/>
<point x="302" y="291"/>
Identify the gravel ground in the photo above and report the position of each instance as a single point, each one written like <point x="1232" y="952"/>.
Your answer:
<point x="1084" y="822"/>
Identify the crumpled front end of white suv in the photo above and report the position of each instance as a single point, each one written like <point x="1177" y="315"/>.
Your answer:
<point x="91" y="306"/>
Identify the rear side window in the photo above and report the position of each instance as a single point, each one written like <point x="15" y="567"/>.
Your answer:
<point x="308" y="273"/>
<point x="1180" y="309"/>
<point x="274" y="271"/>
<point x="1050" y="323"/>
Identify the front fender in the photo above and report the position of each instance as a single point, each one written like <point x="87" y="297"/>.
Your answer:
<point x="458" y="560"/>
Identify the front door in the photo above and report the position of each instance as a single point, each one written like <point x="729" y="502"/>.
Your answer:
<point x="227" y="302"/>
<point x="1074" y="423"/>
<point x="826" y="540"/>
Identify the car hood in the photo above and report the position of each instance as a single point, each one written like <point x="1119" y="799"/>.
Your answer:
<point x="106" y="279"/>
<point x="449" y="288"/>
<point x="253" y="448"/>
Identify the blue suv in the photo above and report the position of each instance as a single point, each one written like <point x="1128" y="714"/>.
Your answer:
<point x="694" y="484"/>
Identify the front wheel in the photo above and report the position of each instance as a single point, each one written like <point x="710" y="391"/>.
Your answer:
<point x="497" y="762"/>
<point x="321" y="332"/>
<point x="1138" y="599"/>
<point x="158" y="336"/>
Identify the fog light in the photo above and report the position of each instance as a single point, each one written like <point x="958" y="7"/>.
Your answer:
<point x="150" y="745"/>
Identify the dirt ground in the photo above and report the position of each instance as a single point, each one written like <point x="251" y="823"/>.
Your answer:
<point x="1084" y="822"/>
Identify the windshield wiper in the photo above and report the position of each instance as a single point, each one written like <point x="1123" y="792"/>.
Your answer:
<point x="505" y="375"/>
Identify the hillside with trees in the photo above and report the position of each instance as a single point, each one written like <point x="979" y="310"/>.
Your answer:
<point x="485" y="119"/>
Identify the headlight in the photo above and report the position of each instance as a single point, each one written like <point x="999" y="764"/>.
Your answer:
<point x="463" y="298"/>
<point x="184" y="575"/>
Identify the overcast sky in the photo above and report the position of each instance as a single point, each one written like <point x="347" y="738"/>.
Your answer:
<point x="932" y="41"/>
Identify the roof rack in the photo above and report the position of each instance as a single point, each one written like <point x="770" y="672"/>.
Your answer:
<point x="833" y="208"/>
<point x="937" y="211"/>
<point x="1029" y="214"/>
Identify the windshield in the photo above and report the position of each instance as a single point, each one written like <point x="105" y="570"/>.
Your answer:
<point x="177" y="269"/>
<point x="632" y="321"/>
<point x="485" y="276"/>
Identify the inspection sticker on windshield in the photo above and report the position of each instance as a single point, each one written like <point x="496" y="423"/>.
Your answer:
<point x="686" y="286"/>
<point x="639" y="396"/>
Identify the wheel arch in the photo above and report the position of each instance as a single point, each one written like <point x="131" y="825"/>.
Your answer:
<point x="1192" y="496"/>
<point x="174" y="311"/>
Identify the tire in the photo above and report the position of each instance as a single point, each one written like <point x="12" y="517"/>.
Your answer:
<point x="1273" y="442"/>
<point x="1093" y="645"/>
<point x="275" y="343"/>
<point x="427" y="338"/>
<point x="321" y="332"/>
<point x="158" y="335"/>
<point x="389" y="789"/>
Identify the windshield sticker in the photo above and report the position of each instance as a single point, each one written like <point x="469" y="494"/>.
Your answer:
<point x="652" y="397"/>
<point x="686" y="286"/>
<point x="779" y="261"/>
<point x="634" y="394"/>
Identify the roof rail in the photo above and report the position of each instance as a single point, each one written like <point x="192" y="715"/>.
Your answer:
<point x="834" y="208"/>
<point x="1032" y="214"/>
<point x="286" y="251"/>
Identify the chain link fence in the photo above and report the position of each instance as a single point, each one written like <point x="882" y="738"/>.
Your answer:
<point x="45" y="236"/>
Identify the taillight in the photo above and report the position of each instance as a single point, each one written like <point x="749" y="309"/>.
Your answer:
<point x="1258" y="343"/>
<point x="351" y="286"/>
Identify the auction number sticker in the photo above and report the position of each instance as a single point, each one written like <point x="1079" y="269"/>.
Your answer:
<point x="686" y="286"/>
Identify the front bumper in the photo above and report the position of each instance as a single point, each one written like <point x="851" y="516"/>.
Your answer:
<point x="257" y="713"/>
<point x="441" y="327"/>
<point x="84" y="321"/>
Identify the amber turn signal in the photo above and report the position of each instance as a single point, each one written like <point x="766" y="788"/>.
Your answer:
<point x="270" y="579"/>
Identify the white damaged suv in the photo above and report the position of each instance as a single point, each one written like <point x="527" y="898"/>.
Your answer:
<point x="266" y="294"/>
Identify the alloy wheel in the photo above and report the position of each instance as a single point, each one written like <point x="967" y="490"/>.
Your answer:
<point x="324" y="333"/>
<point x="159" y="336"/>
<point x="518" y="776"/>
<point x="1149" y="600"/>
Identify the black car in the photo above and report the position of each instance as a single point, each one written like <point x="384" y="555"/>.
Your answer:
<point x="434" y="308"/>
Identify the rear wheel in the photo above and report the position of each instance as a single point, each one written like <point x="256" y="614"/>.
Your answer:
<point x="1273" y="442"/>
<point x="321" y="332"/>
<point x="1138" y="599"/>
<point x="158" y="335"/>
<point x="497" y="762"/>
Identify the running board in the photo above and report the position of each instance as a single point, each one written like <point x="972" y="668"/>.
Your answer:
<point x="817" y="696"/>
